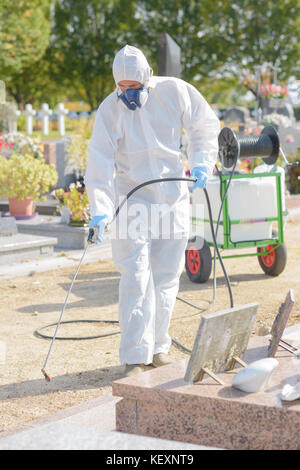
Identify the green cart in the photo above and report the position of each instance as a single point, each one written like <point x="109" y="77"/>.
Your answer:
<point x="270" y="252"/>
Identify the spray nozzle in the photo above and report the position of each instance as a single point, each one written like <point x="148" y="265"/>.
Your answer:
<point x="47" y="378"/>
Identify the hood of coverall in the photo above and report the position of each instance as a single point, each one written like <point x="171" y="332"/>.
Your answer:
<point x="131" y="64"/>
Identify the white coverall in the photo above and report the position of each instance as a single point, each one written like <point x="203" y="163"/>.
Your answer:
<point x="128" y="148"/>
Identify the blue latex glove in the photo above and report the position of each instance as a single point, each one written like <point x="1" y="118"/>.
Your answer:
<point x="199" y="172"/>
<point x="99" y="222"/>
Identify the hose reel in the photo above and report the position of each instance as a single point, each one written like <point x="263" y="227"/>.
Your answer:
<point x="232" y="147"/>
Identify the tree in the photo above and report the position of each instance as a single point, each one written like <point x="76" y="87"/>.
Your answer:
<point x="258" y="32"/>
<point x="24" y="34"/>
<point x="218" y="40"/>
<point x="187" y="22"/>
<point x="221" y="39"/>
<point x="35" y="83"/>
<point x="86" y="36"/>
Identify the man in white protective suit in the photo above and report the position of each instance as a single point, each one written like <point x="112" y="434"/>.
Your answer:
<point x="136" y="138"/>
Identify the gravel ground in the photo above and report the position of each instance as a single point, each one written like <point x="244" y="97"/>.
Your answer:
<point x="83" y="370"/>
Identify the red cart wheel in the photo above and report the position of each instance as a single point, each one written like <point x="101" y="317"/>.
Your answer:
<point x="193" y="260"/>
<point x="273" y="263"/>
<point x="269" y="259"/>
<point x="198" y="262"/>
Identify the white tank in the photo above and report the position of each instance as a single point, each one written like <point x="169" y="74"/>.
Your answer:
<point x="248" y="200"/>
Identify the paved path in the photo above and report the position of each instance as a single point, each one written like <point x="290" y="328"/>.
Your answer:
<point x="62" y="258"/>
<point x="88" y="426"/>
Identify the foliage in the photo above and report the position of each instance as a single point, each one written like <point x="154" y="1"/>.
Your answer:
<point x="218" y="40"/>
<point x="224" y="92"/>
<point x="24" y="176"/>
<point x="82" y="126"/>
<point x="248" y="164"/>
<point x="188" y="25"/>
<point x="24" y="33"/>
<point x="35" y="84"/>
<point x="76" y="200"/>
<point x="77" y="151"/>
<point x="86" y="37"/>
<point x="257" y="32"/>
<point x="221" y="39"/>
<point x="77" y="145"/>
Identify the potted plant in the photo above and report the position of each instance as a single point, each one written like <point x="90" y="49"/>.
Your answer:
<point x="75" y="199"/>
<point x="24" y="180"/>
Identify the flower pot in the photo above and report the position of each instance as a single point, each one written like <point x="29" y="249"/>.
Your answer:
<point x="21" y="208"/>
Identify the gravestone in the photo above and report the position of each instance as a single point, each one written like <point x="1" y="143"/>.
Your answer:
<point x="50" y="152"/>
<point x="169" y="57"/>
<point x="29" y="113"/>
<point x="280" y="322"/>
<point x="84" y="114"/>
<point x="160" y="403"/>
<point x="15" y="247"/>
<point x="2" y="92"/>
<point x="72" y="115"/>
<point x="61" y="113"/>
<point x="66" y="170"/>
<point x="13" y="116"/>
<point x="65" y="236"/>
<point x="237" y="114"/>
<point x="280" y="114"/>
<point x="282" y="107"/>
<point x="19" y="247"/>
<point x="8" y="117"/>
<point x="221" y="341"/>
<point x="45" y="113"/>
<point x="9" y="114"/>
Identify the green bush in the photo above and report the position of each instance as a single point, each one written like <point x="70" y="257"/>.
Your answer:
<point x="293" y="177"/>
<point x="25" y="176"/>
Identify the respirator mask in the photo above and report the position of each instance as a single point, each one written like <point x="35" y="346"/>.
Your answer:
<point x="134" y="98"/>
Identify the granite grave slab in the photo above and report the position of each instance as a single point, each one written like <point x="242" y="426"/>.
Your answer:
<point x="67" y="237"/>
<point x="19" y="247"/>
<point x="159" y="403"/>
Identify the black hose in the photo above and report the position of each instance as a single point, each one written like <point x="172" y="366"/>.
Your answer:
<point x="146" y="183"/>
<point x="256" y="145"/>
<point x="217" y="249"/>
<point x="77" y="338"/>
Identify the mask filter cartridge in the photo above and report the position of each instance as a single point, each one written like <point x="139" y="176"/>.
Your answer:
<point x="134" y="98"/>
